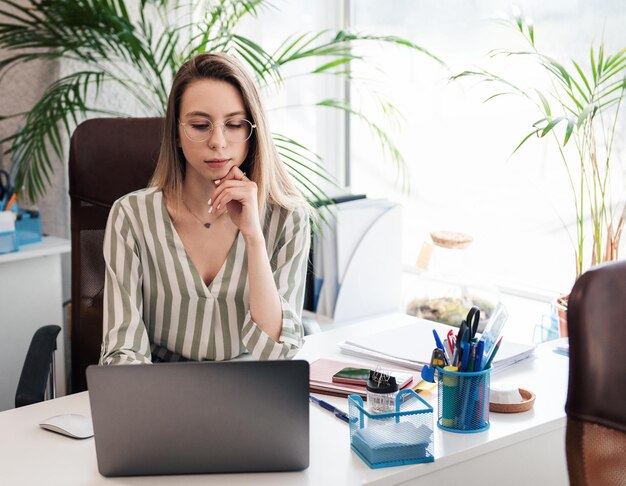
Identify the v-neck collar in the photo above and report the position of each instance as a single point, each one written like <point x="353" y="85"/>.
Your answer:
<point x="201" y="285"/>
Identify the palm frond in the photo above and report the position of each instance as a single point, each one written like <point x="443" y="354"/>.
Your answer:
<point x="57" y="112"/>
<point x="386" y="143"/>
<point x="140" y="55"/>
<point x="387" y="39"/>
<point x="306" y="168"/>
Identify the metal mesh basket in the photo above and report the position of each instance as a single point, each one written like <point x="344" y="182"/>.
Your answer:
<point x="463" y="401"/>
<point x="404" y="436"/>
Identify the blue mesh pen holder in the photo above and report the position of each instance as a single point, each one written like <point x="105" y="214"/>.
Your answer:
<point x="404" y="436"/>
<point x="463" y="400"/>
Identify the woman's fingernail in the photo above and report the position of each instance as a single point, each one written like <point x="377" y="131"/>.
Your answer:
<point x="210" y="209"/>
<point x="209" y="201"/>
<point x="218" y="206"/>
<point x="217" y="181"/>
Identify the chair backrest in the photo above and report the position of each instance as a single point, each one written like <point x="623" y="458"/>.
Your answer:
<point x="109" y="157"/>
<point x="37" y="377"/>
<point x="596" y="397"/>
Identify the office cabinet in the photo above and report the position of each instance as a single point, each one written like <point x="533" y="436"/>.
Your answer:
<point x="30" y="297"/>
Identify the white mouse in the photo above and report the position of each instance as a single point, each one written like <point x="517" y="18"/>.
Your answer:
<point x="72" y="425"/>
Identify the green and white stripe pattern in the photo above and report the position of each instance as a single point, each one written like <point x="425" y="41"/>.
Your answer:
<point x="154" y="294"/>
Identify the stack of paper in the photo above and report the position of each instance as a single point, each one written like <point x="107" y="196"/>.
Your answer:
<point x="392" y="442"/>
<point x="411" y="346"/>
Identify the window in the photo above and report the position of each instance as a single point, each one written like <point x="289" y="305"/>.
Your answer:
<point x="458" y="149"/>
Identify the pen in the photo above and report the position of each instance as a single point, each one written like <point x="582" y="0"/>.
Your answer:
<point x="340" y="414"/>
<point x="449" y="351"/>
<point x="480" y="350"/>
<point x="472" y="357"/>
<point x="493" y="354"/>
<point x="465" y="357"/>
<point x="451" y="338"/>
<point x="440" y="346"/>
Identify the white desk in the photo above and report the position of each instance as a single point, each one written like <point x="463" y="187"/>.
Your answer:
<point x="518" y="449"/>
<point x="31" y="296"/>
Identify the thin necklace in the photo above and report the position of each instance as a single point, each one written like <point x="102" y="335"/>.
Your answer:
<point x="206" y="225"/>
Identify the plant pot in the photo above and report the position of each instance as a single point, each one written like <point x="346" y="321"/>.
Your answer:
<point x="560" y="305"/>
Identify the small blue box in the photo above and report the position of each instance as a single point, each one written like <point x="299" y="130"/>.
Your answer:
<point x="397" y="438"/>
<point x="28" y="227"/>
<point x="8" y="241"/>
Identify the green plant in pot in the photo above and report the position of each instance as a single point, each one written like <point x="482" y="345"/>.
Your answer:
<point x="135" y="47"/>
<point x="580" y="113"/>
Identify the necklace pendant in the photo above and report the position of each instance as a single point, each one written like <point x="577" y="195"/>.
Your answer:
<point x="207" y="225"/>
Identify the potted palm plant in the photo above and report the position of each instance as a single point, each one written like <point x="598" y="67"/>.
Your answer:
<point x="580" y="113"/>
<point x="139" y="53"/>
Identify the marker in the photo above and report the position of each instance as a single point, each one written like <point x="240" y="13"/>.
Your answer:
<point x="340" y="414"/>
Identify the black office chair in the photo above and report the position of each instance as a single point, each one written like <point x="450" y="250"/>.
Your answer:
<point x="596" y="397"/>
<point x="37" y="379"/>
<point x="109" y="157"/>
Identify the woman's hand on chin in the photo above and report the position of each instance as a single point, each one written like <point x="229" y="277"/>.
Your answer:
<point x="237" y="195"/>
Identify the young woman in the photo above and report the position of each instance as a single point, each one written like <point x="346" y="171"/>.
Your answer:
<point x="209" y="262"/>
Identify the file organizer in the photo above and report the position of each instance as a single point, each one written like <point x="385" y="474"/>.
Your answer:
<point x="8" y="236"/>
<point x="463" y="401"/>
<point x="28" y="227"/>
<point x="357" y="261"/>
<point x="395" y="438"/>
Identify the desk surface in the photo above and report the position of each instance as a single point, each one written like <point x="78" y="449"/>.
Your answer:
<point x="32" y="455"/>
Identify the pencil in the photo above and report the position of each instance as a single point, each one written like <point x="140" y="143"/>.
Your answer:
<point x="10" y="203"/>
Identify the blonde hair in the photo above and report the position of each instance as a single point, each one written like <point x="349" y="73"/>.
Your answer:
<point x="262" y="164"/>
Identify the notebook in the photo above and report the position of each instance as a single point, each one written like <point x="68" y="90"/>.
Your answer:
<point x="322" y="371"/>
<point x="200" y="417"/>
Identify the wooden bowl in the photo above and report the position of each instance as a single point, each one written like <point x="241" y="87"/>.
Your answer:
<point x="527" y="404"/>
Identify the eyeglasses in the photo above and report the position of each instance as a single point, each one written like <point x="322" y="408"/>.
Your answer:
<point x="235" y="131"/>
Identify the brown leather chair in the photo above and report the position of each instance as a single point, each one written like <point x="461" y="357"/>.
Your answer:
<point x="109" y="157"/>
<point x="596" y="397"/>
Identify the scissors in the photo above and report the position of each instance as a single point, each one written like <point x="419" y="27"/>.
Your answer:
<point x="6" y="189"/>
<point x="467" y="332"/>
<point x="462" y="339"/>
<point x="472" y="320"/>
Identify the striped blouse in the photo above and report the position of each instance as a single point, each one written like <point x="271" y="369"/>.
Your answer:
<point x="154" y="295"/>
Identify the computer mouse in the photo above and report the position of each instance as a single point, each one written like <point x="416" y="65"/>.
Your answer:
<point x="70" y="424"/>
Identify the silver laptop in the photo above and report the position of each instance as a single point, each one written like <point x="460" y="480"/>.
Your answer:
<point x="200" y="417"/>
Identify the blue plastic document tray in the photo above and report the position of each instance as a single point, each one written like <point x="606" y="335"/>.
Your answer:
<point x="8" y="242"/>
<point x="28" y="227"/>
<point x="404" y="436"/>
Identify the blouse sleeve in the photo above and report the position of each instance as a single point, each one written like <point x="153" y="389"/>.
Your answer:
<point x="125" y="339"/>
<point x="289" y="264"/>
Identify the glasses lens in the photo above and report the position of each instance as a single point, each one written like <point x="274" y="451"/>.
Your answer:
<point x="237" y="131"/>
<point x="198" y="130"/>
